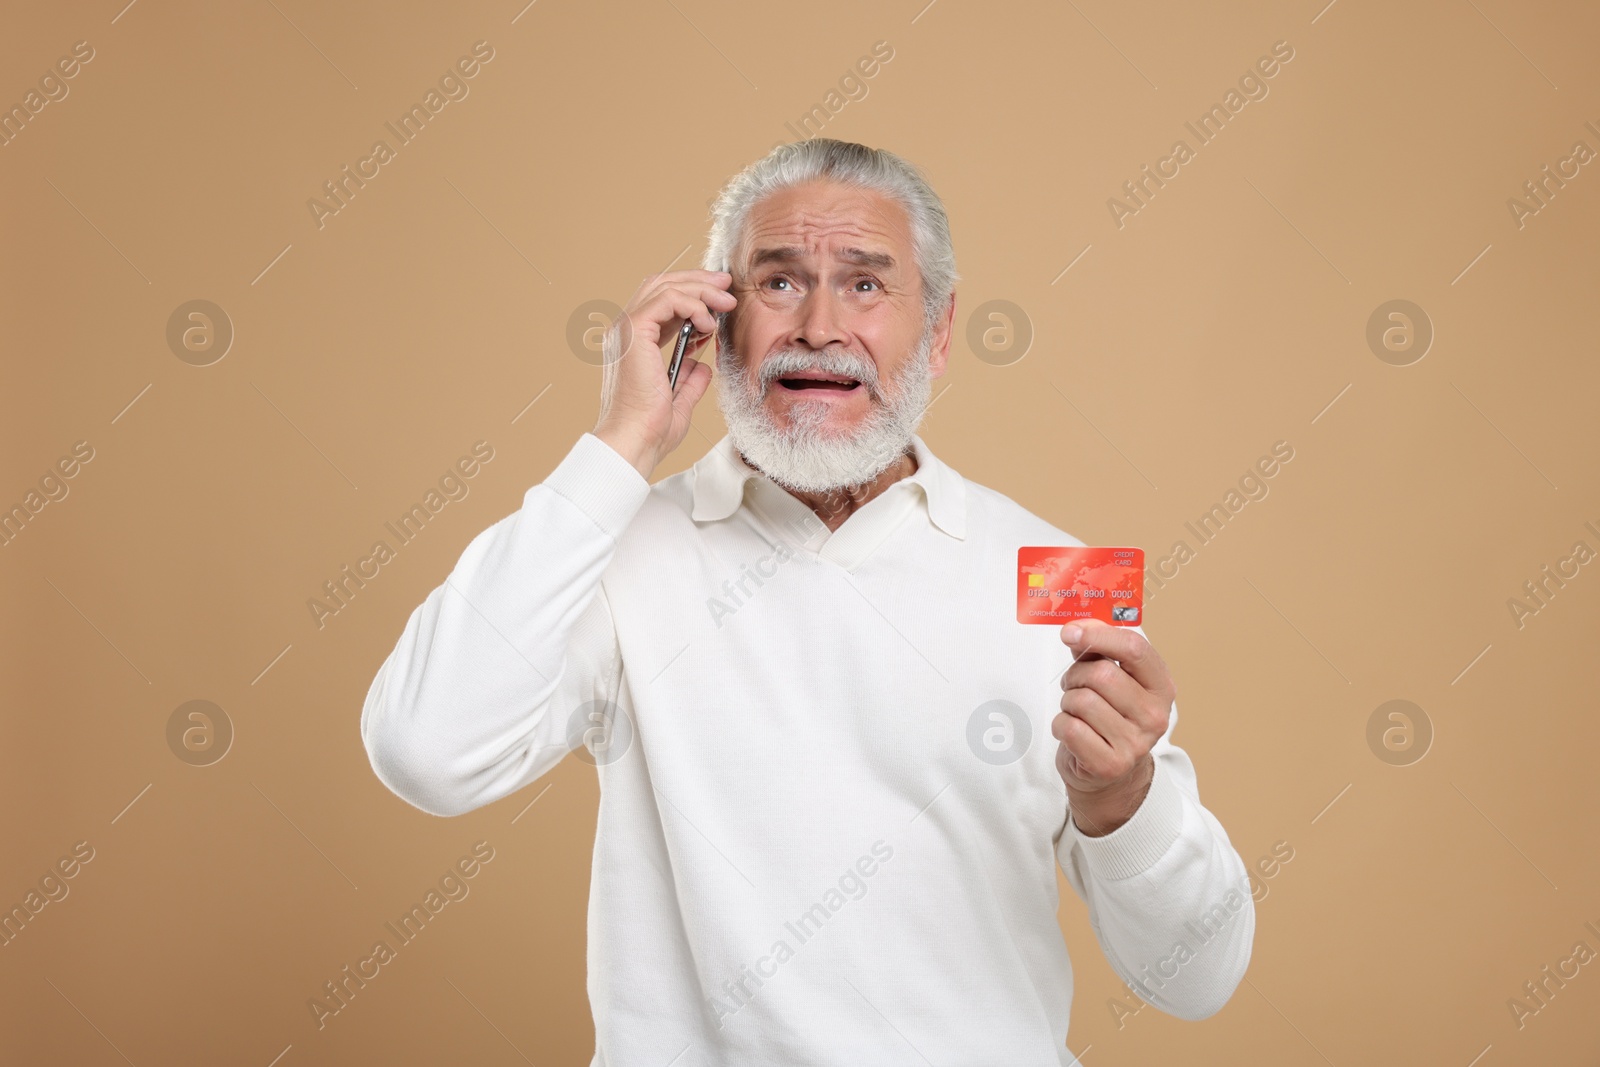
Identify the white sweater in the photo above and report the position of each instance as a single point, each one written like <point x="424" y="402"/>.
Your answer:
<point x="819" y="839"/>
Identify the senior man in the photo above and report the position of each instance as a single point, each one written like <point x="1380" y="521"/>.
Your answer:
<point x="830" y="819"/>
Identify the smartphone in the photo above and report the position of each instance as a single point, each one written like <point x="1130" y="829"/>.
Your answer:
<point x="684" y="334"/>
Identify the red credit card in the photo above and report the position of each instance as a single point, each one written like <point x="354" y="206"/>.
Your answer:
<point x="1057" y="585"/>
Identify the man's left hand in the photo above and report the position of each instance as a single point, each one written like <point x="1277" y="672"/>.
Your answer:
<point x="1116" y="703"/>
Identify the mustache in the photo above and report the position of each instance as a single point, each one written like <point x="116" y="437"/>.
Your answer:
<point x="790" y="361"/>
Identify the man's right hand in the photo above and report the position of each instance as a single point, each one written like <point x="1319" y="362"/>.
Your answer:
<point x="640" y="416"/>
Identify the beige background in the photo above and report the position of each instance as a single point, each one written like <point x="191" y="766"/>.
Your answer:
<point x="1228" y="314"/>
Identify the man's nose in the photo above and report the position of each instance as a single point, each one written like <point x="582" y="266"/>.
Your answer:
<point x="821" y="320"/>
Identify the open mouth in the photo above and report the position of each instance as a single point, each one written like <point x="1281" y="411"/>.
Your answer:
<point x="838" y="384"/>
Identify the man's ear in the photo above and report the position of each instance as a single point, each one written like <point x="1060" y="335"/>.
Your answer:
<point x="944" y="329"/>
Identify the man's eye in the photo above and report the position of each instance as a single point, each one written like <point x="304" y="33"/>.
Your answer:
<point x="867" y="281"/>
<point x="776" y="280"/>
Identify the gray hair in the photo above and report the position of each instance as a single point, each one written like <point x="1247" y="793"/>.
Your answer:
<point x="854" y="164"/>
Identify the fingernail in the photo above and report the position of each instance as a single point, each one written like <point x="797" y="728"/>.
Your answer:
<point x="1071" y="633"/>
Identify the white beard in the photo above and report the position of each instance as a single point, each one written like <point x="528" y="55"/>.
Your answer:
<point x="808" y="455"/>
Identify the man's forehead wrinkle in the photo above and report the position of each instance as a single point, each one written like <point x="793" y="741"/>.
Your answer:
<point x="788" y="253"/>
<point x="871" y="222"/>
<point x="844" y="241"/>
<point x="814" y="227"/>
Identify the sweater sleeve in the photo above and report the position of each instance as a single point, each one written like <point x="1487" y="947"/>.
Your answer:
<point x="1169" y="898"/>
<point x="493" y="678"/>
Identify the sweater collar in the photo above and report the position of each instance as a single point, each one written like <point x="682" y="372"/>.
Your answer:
<point x="720" y="476"/>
